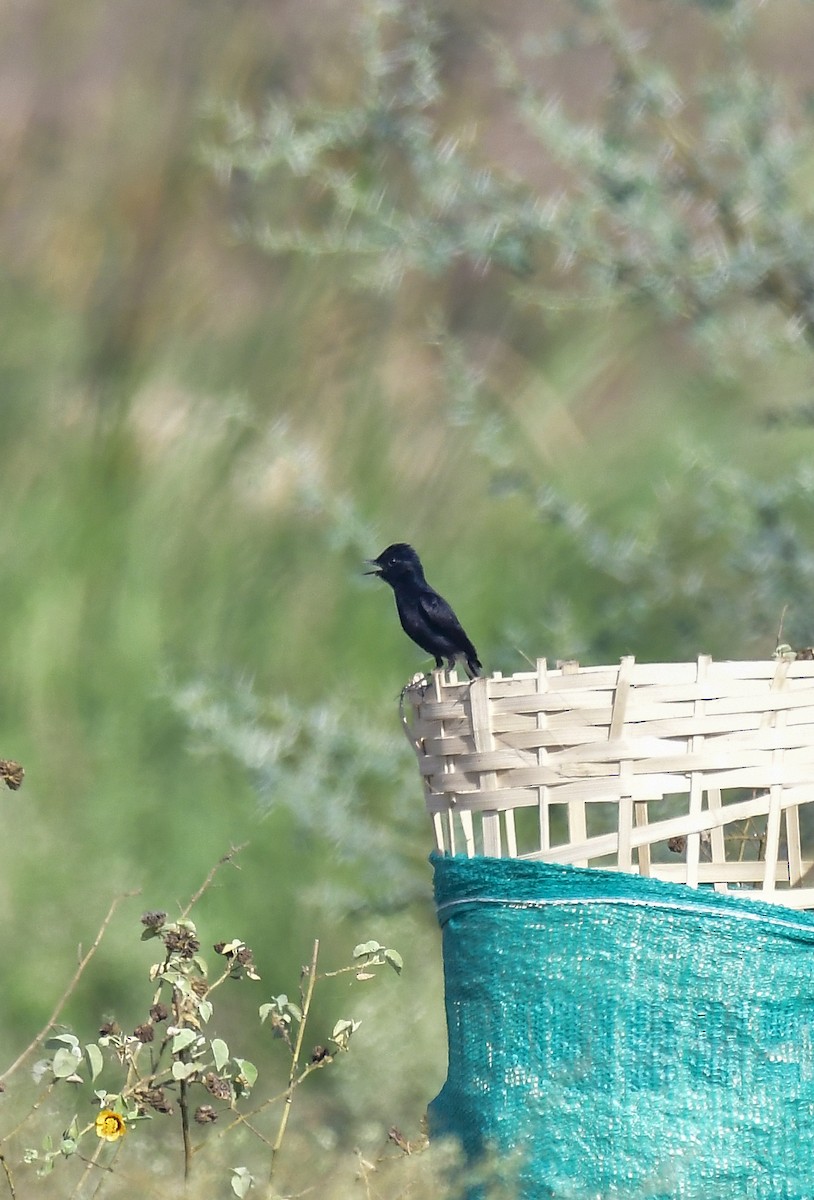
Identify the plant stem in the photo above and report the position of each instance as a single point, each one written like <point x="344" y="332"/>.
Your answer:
<point x="90" y="1163"/>
<point x="38" y="1103"/>
<point x="295" y="1058"/>
<point x="49" y="1024"/>
<point x="183" y="1104"/>
<point x="227" y="858"/>
<point x="7" y="1173"/>
<point x="243" y="1118"/>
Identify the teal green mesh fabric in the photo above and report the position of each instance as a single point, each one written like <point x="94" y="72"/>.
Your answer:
<point x="624" y="1037"/>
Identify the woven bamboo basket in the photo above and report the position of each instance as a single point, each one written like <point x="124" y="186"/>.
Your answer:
<point x="698" y="773"/>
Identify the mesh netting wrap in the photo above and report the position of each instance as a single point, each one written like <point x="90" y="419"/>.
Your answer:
<point x="626" y="1037"/>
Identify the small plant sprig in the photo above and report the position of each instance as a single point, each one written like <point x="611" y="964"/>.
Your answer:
<point x="174" y="1061"/>
<point x="282" y="1013"/>
<point x="289" y="1022"/>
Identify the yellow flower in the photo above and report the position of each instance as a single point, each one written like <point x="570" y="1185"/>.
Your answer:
<point x="110" y="1126"/>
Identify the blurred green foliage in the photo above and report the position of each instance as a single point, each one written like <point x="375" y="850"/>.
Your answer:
<point x="529" y="290"/>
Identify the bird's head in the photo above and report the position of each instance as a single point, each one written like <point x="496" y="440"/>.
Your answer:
<point x="398" y="561"/>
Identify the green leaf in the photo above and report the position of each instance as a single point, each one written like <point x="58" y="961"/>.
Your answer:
<point x="220" y="1053"/>
<point x="70" y="1139"/>
<point x="394" y="958"/>
<point x="95" y="1061"/>
<point x="247" y="1070"/>
<point x="67" y="1040"/>
<point x="241" y="1181"/>
<point x="182" y="1070"/>
<point x="283" y="1007"/>
<point x="343" y="1031"/>
<point x="366" y="948"/>
<point x="65" y="1062"/>
<point x="182" y="1039"/>
<point x="205" y="1010"/>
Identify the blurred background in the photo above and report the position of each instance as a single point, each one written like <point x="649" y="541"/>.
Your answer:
<point x="530" y="287"/>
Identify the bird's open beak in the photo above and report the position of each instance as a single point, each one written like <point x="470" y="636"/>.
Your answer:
<point x="371" y="562"/>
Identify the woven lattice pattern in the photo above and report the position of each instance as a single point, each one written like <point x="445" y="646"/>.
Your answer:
<point x="698" y="773"/>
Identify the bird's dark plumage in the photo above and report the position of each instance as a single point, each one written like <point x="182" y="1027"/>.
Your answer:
<point x="425" y="616"/>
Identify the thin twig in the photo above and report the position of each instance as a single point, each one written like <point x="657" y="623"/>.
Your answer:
<point x="38" y="1103"/>
<point x="183" y="1104"/>
<point x="7" y="1173"/>
<point x="49" y="1024"/>
<point x="90" y="1163"/>
<point x="295" y="1058"/>
<point x="780" y="626"/>
<point x="365" y="1170"/>
<point x="243" y="1118"/>
<point x="227" y="858"/>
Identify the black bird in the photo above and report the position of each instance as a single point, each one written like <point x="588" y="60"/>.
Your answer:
<point x="425" y="616"/>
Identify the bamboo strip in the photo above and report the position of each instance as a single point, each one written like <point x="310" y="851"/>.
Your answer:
<point x="659" y="831"/>
<point x="696" y="780"/>
<point x="719" y="754"/>
<point x="543" y="793"/>
<point x="482" y="734"/>
<point x="777" y="720"/>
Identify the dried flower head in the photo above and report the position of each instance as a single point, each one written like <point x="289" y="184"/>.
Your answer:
<point x="154" y="919"/>
<point x="145" y="1033"/>
<point x="218" y="1085"/>
<point x="182" y="942"/>
<point x="159" y="1012"/>
<point x="110" y="1125"/>
<point x="240" y="956"/>
<point x="11" y="773"/>
<point x="147" y="1097"/>
<point x="205" y="1114"/>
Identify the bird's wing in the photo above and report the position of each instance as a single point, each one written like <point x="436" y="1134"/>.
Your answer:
<point x="442" y="619"/>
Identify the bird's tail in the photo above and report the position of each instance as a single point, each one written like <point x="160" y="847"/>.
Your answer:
<point x="473" y="667"/>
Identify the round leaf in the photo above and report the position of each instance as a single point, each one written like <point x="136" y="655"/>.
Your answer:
<point x="64" y="1063"/>
<point x="394" y="958"/>
<point x="182" y="1070"/>
<point x="248" y="1070"/>
<point x="241" y="1181"/>
<point x="220" y="1053"/>
<point x="182" y="1039"/>
<point x="365" y="948"/>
